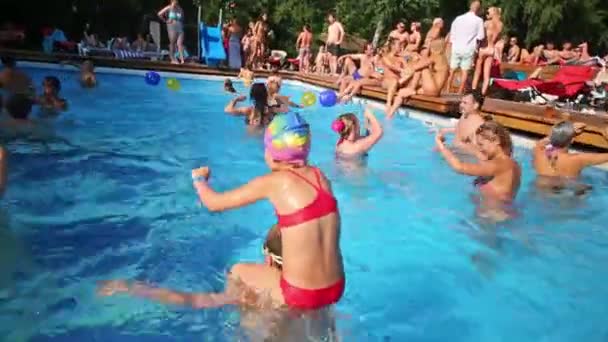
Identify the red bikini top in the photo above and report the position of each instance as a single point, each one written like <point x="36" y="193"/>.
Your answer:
<point x="323" y="204"/>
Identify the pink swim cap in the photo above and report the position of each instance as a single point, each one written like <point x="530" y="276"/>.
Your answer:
<point x="337" y="126"/>
<point x="287" y="138"/>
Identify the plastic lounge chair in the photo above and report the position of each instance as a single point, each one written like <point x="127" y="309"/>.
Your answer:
<point x="567" y="82"/>
<point x="55" y="39"/>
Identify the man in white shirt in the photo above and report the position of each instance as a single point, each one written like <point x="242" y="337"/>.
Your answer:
<point x="466" y="33"/>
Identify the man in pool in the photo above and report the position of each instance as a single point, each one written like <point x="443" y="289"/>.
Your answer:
<point x="466" y="128"/>
<point x="13" y="79"/>
<point x="50" y="100"/>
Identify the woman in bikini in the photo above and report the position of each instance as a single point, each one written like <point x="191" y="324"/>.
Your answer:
<point x="499" y="176"/>
<point x="261" y="113"/>
<point x="351" y="142"/>
<point x="175" y="28"/>
<point x="487" y="53"/>
<point x="428" y="76"/>
<point x="312" y="276"/>
<point x="556" y="166"/>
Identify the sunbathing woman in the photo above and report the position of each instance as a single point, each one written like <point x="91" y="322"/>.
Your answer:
<point x="498" y="176"/>
<point x="351" y="143"/>
<point x="434" y="33"/>
<point x="394" y="64"/>
<point x="428" y="76"/>
<point x="312" y="276"/>
<point x="261" y="112"/>
<point x="487" y="53"/>
<point x="415" y="38"/>
<point x="556" y="167"/>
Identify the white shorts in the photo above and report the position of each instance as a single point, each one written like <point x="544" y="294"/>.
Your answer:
<point x="462" y="60"/>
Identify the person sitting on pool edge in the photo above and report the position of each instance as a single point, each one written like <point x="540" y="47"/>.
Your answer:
<point x="556" y="167"/>
<point x="499" y="175"/>
<point x="313" y="272"/>
<point x="50" y="100"/>
<point x="351" y="143"/>
<point x="261" y="113"/>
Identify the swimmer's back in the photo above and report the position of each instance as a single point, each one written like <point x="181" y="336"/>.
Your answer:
<point x="321" y="260"/>
<point x="564" y="164"/>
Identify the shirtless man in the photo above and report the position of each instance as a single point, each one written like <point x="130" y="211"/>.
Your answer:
<point x="487" y="54"/>
<point x="350" y="73"/>
<point x="514" y="51"/>
<point x="13" y="80"/>
<point x="466" y="128"/>
<point x="335" y="36"/>
<point x="260" y="36"/>
<point x="303" y="45"/>
<point x="399" y="33"/>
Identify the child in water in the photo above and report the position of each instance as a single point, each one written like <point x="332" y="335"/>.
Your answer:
<point x="246" y="75"/>
<point x="498" y="177"/>
<point x="87" y="77"/>
<point x="50" y="100"/>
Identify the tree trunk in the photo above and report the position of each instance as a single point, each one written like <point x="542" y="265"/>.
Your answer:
<point x="378" y="33"/>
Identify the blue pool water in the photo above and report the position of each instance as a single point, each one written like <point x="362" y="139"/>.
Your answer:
<point x="113" y="199"/>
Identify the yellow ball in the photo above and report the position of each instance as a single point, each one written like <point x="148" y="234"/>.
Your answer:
<point x="173" y="84"/>
<point x="308" y="99"/>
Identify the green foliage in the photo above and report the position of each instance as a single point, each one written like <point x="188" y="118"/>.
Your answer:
<point x="533" y="21"/>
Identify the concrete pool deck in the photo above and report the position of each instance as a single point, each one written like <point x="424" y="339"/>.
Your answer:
<point x="531" y="120"/>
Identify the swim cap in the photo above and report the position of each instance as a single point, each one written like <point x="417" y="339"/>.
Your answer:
<point x="287" y="138"/>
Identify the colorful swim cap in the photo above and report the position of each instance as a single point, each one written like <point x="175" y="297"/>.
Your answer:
<point x="287" y="138"/>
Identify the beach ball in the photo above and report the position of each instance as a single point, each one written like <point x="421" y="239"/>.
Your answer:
<point x="152" y="78"/>
<point x="173" y="84"/>
<point x="328" y="98"/>
<point x="308" y="99"/>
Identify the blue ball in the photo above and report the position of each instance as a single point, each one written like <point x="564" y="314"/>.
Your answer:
<point x="328" y="98"/>
<point x="152" y="78"/>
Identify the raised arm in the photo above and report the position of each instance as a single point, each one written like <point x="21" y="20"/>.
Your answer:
<point x="590" y="159"/>
<point x="232" y="109"/>
<point x="255" y="190"/>
<point x="163" y="11"/>
<point x="365" y="144"/>
<point x="483" y="169"/>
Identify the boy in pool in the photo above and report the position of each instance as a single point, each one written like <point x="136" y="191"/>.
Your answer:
<point x="50" y="100"/>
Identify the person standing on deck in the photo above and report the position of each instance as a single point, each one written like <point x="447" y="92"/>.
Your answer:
<point x="175" y="28"/>
<point x="234" y="44"/>
<point x="335" y="36"/>
<point x="303" y="45"/>
<point x="465" y="34"/>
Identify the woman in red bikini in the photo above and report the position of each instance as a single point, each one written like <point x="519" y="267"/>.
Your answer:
<point x="312" y="276"/>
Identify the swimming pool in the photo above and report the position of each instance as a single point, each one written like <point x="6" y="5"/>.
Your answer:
<point x="113" y="199"/>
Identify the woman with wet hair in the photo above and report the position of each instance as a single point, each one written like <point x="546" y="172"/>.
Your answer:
<point x="555" y="165"/>
<point x="261" y="112"/>
<point x="498" y="177"/>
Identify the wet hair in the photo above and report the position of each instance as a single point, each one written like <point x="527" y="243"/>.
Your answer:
<point x="351" y="124"/>
<point x="477" y="97"/>
<point x="562" y="134"/>
<point x="8" y="61"/>
<point x="491" y="130"/>
<point x="19" y="106"/>
<point x="259" y="96"/>
<point x="273" y="246"/>
<point x="54" y="82"/>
